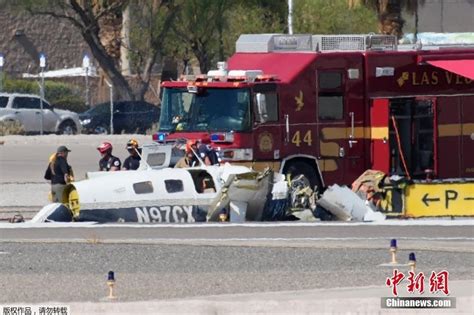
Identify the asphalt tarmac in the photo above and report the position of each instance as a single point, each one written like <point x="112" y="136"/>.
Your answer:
<point x="23" y="161"/>
<point x="203" y="269"/>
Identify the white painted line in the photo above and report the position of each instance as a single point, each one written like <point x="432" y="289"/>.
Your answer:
<point x="393" y="265"/>
<point x="463" y="222"/>
<point x="29" y="225"/>
<point x="279" y="239"/>
<point x="419" y="222"/>
<point x="235" y="239"/>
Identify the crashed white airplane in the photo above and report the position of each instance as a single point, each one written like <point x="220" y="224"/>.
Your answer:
<point x="157" y="193"/>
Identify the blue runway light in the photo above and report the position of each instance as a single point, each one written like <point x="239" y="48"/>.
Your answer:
<point x="111" y="276"/>
<point x="393" y="243"/>
<point x="412" y="262"/>
<point x="393" y="251"/>
<point x="111" y="284"/>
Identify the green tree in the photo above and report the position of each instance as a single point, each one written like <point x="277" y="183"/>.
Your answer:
<point x="201" y="27"/>
<point x="100" y="21"/>
<point x="331" y="17"/>
<point x="249" y="17"/>
<point x="151" y="23"/>
<point x="389" y="13"/>
<point x="207" y="29"/>
<point x="271" y="13"/>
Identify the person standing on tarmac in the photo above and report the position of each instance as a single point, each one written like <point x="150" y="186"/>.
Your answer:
<point x="132" y="162"/>
<point x="108" y="162"/>
<point x="59" y="172"/>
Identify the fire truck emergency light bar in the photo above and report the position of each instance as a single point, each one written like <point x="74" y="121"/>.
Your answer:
<point x="222" y="137"/>
<point x="231" y="76"/>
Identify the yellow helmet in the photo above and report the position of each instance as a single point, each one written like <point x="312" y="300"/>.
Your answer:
<point x="132" y="143"/>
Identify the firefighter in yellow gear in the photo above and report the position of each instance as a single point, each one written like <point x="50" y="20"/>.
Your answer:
<point x="59" y="172"/>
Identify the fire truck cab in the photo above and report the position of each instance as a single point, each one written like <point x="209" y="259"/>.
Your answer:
<point x="331" y="106"/>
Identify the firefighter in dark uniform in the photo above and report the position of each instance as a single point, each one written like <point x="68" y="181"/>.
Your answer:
<point x="59" y="172"/>
<point x="132" y="162"/>
<point x="208" y="155"/>
<point x="108" y="162"/>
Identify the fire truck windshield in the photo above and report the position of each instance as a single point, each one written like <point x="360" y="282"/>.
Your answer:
<point x="212" y="109"/>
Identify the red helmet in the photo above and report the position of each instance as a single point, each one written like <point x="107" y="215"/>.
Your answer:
<point x="189" y="146"/>
<point x="104" y="147"/>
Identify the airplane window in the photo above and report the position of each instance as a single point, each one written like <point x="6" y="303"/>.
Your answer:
<point x="174" y="185"/>
<point x="156" y="159"/>
<point x="143" y="187"/>
<point x="203" y="182"/>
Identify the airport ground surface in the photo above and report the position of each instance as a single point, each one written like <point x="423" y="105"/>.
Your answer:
<point x="208" y="268"/>
<point x="23" y="161"/>
<point x="157" y="263"/>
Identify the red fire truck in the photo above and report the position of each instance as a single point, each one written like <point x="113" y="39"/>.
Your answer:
<point x="331" y="106"/>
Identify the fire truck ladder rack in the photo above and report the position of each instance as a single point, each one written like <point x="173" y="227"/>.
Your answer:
<point x="252" y="43"/>
<point x="354" y="42"/>
<point x="431" y="46"/>
<point x="263" y="43"/>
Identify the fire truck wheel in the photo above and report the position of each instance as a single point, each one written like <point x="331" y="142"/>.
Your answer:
<point x="310" y="176"/>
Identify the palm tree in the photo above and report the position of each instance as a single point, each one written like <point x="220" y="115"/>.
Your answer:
<point x="389" y="13"/>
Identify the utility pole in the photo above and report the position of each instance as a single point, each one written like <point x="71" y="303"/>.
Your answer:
<point x="42" y="60"/>
<point x="85" y="65"/>
<point x="111" y="88"/>
<point x="290" y="17"/>
<point x="2" y="60"/>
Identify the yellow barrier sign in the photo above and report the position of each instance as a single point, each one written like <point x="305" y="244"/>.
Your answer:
<point x="439" y="199"/>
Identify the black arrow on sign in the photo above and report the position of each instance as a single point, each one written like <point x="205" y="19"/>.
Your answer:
<point x="426" y="199"/>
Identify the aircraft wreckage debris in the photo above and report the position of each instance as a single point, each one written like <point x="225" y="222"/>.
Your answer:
<point x="225" y="193"/>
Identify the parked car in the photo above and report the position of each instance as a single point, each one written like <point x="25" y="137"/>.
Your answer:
<point x="26" y="110"/>
<point x="128" y="117"/>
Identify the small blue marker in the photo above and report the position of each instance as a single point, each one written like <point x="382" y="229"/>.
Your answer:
<point x="110" y="284"/>
<point x="393" y="250"/>
<point x="412" y="262"/>
<point x="393" y="243"/>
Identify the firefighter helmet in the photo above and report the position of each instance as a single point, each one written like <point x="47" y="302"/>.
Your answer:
<point x="132" y="144"/>
<point x="105" y="147"/>
<point x="190" y="146"/>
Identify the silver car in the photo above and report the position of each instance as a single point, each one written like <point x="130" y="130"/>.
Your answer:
<point x="26" y="109"/>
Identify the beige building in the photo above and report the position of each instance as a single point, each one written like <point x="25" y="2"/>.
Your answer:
<point x="443" y="16"/>
<point x="23" y="37"/>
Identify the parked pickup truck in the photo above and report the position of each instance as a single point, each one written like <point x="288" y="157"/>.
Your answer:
<point x="26" y="109"/>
